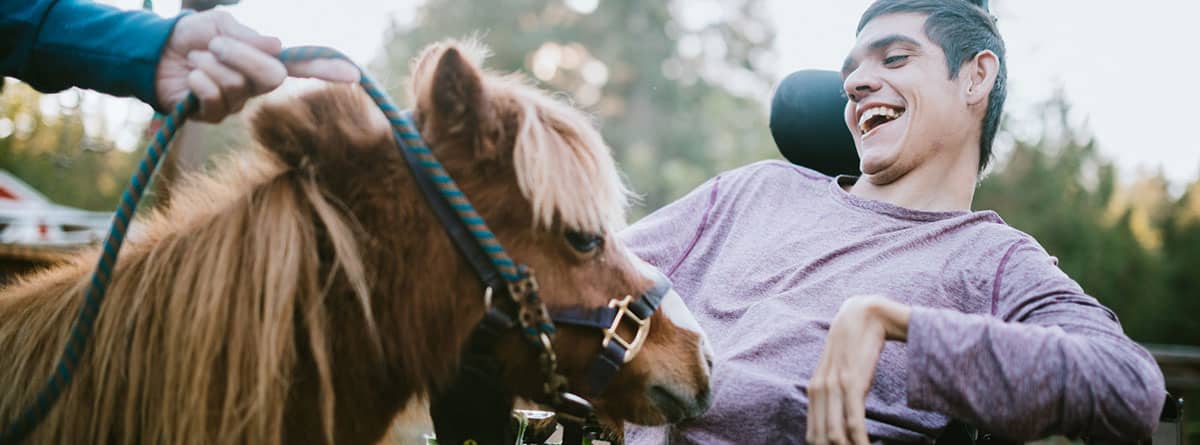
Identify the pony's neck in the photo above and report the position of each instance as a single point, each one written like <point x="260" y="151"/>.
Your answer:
<point x="425" y="296"/>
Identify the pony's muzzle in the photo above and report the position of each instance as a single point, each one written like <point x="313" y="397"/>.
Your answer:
<point x="678" y="404"/>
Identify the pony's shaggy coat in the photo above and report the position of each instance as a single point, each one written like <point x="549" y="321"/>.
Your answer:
<point x="201" y="315"/>
<point x="305" y="291"/>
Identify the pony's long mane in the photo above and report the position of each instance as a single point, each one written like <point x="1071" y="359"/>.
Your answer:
<point x="558" y="152"/>
<point x="201" y="316"/>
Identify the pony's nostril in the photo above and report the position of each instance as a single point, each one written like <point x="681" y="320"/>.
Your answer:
<point x="676" y="407"/>
<point x="703" y="402"/>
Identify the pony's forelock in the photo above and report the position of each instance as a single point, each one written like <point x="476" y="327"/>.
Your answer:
<point x="564" y="168"/>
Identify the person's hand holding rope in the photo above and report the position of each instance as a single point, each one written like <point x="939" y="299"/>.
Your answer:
<point x="226" y="63"/>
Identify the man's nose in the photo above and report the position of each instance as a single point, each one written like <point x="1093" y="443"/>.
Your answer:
<point x="860" y="83"/>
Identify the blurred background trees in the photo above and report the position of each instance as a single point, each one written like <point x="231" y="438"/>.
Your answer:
<point x="676" y="96"/>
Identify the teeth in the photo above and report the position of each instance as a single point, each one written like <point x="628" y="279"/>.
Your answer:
<point x="866" y="116"/>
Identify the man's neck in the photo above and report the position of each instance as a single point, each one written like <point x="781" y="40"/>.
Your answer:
<point x="935" y="185"/>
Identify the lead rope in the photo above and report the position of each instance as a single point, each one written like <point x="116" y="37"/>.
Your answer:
<point x="407" y="136"/>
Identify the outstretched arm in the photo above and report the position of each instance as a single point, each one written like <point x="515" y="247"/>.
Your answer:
<point x="1055" y="362"/>
<point x="1051" y="361"/>
<point x="57" y="44"/>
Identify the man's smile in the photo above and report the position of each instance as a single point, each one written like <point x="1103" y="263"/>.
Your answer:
<point x="873" y="116"/>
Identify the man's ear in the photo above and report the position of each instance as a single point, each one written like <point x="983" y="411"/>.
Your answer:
<point x="980" y="73"/>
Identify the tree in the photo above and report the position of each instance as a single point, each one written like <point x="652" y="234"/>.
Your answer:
<point x="1061" y="191"/>
<point x="54" y="153"/>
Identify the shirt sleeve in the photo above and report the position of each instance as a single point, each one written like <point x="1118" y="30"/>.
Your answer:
<point x="1052" y="360"/>
<point x="664" y="238"/>
<point x="56" y="44"/>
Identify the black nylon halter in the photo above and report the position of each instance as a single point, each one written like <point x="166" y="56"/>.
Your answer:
<point x="477" y="406"/>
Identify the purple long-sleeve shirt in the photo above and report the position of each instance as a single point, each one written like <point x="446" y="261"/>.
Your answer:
<point x="999" y="337"/>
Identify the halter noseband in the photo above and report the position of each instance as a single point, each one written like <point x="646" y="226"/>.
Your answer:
<point x="477" y="383"/>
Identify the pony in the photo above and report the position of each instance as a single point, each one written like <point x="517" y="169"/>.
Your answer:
<point x="303" y="291"/>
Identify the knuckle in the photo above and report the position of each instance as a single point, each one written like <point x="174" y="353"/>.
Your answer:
<point x="855" y="426"/>
<point x="818" y="386"/>
<point x="846" y="377"/>
<point x="234" y="82"/>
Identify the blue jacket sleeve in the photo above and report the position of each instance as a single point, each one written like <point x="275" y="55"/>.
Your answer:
<point x="56" y="44"/>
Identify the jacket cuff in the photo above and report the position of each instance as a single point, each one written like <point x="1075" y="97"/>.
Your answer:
<point x="100" y="47"/>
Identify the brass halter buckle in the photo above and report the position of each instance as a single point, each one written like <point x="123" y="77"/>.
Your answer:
<point x="643" y="328"/>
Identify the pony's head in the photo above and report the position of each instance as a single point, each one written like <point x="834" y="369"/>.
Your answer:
<point x="543" y="179"/>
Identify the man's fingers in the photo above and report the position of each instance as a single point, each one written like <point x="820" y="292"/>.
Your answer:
<point x="235" y="90"/>
<point x="835" y="420"/>
<point x="818" y="392"/>
<point x="333" y="70"/>
<point x="230" y="81"/>
<point x="229" y="26"/>
<point x="212" y="105"/>
<point x="263" y="70"/>
<point x="856" y="423"/>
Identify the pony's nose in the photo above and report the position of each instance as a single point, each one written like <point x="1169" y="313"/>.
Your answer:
<point x="677" y="405"/>
<point x="707" y="351"/>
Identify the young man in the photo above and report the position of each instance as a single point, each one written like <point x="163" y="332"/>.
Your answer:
<point x="880" y="307"/>
<point x="57" y="44"/>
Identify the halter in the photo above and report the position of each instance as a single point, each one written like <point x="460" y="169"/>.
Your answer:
<point x="495" y="269"/>
<point x="477" y="387"/>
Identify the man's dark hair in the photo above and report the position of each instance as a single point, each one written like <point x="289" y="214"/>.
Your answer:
<point x="963" y="30"/>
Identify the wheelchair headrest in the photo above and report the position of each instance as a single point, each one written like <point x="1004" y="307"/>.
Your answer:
<point x="807" y="124"/>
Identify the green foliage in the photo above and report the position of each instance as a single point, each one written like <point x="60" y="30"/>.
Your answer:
<point x="1131" y="247"/>
<point x="658" y="88"/>
<point x="53" y="154"/>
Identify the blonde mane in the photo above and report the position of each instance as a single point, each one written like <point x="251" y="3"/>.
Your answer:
<point x="559" y="153"/>
<point x="202" y="324"/>
<point x="556" y="138"/>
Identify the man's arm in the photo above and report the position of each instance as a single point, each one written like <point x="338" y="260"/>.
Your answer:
<point x="57" y="44"/>
<point x="1054" y="362"/>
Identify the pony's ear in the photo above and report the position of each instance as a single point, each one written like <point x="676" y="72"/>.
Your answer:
<point x="452" y="99"/>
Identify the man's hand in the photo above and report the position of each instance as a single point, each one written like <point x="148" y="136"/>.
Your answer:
<point x="226" y="63"/>
<point x="838" y="390"/>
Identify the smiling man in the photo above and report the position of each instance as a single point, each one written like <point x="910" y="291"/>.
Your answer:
<point x="880" y="307"/>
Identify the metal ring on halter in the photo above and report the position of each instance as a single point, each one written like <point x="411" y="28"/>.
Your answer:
<point x="632" y="347"/>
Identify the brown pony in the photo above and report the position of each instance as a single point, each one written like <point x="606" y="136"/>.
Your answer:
<point x="305" y="292"/>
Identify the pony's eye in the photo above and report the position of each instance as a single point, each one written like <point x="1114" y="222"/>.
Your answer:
<point x="584" y="242"/>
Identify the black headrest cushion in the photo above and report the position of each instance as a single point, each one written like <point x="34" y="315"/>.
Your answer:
<point x="807" y="124"/>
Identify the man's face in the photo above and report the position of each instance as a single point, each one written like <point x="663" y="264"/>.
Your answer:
<point x="903" y="108"/>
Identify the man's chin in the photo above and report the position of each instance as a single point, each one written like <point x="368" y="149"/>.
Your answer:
<point x="879" y="172"/>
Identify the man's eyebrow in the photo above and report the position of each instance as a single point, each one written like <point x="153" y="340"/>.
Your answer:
<point x="882" y="43"/>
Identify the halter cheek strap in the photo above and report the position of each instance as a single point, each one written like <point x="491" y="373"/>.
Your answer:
<point x="616" y="350"/>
